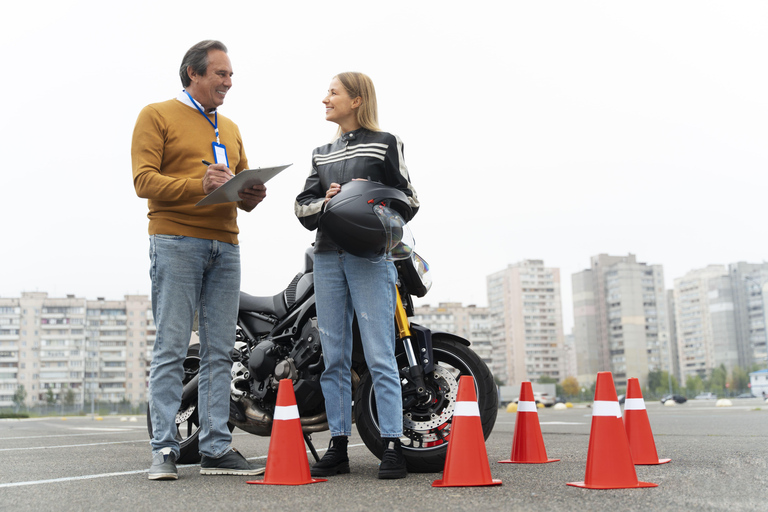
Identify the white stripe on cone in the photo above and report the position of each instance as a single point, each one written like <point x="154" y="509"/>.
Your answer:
<point x="290" y="412"/>
<point x="526" y="406"/>
<point x="605" y="408"/>
<point x="466" y="409"/>
<point x="634" y="404"/>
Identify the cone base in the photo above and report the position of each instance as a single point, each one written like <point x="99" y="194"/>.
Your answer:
<point x="264" y="482"/>
<point x="441" y="483"/>
<point x="661" y="461"/>
<point x="583" y="485"/>
<point x="510" y="461"/>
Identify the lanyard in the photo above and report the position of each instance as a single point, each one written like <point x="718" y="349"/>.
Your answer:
<point x="215" y="116"/>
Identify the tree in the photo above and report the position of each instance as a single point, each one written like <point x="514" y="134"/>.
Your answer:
<point x="69" y="398"/>
<point x="718" y="379"/>
<point x="19" y="396"/>
<point x="50" y="398"/>
<point x="571" y="386"/>
<point x="655" y="380"/>
<point x="693" y="385"/>
<point x="659" y="381"/>
<point x="739" y="380"/>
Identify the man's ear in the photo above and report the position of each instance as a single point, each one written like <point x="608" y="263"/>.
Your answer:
<point x="191" y="73"/>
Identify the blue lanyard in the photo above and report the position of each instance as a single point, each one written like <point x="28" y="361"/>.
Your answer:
<point x="215" y="116"/>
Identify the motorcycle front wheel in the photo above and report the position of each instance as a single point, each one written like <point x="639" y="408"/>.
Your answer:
<point x="427" y="426"/>
<point x="187" y="422"/>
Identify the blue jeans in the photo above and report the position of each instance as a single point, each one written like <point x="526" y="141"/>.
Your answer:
<point x="345" y="284"/>
<point x="188" y="275"/>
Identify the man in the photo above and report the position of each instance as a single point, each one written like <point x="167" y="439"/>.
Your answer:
<point x="194" y="256"/>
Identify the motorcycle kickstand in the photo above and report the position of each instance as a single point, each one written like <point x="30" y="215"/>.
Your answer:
<point x="308" y="440"/>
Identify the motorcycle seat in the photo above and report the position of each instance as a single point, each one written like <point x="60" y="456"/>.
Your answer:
<point x="274" y="306"/>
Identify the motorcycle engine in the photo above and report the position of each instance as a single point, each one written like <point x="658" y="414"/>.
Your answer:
<point x="263" y="359"/>
<point x="271" y="361"/>
<point x="307" y="359"/>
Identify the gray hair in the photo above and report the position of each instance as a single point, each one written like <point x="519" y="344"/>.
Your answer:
<point x="197" y="58"/>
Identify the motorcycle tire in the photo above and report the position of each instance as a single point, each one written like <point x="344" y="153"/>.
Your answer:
<point x="187" y="422"/>
<point x="426" y="449"/>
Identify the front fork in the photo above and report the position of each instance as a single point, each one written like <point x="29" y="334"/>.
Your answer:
<point x="419" y="357"/>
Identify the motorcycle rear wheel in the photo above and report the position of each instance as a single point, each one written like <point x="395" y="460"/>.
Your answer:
<point x="428" y="427"/>
<point x="187" y="422"/>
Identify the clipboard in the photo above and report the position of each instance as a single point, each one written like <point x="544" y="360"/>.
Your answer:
<point x="247" y="178"/>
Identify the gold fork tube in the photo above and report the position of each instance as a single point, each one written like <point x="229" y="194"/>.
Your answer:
<point x="401" y="318"/>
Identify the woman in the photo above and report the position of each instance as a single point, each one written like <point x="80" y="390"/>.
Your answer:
<point x="345" y="283"/>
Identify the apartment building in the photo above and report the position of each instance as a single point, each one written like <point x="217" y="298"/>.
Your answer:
<point x="73" y="348"/>
<point x="705" y="321"/>
<point x="721" y="318"/>
<point x="620" y="319"/>
<point x="570" y="367"/>
<point x="470" y="322"/>
<point x="750" y="290"/>
<point x="527" y="323"/>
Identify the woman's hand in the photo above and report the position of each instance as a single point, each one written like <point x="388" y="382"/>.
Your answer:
<point x="332" y="191"/>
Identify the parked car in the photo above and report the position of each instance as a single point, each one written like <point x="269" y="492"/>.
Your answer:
<point x="545" y="399"/>
<point x="677" y="398"/>
<point x="622" y="398"/>
<point x="706" y="396"/>
<point x="746" y="395"/>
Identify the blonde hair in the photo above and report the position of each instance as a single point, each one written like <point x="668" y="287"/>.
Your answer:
<point x="359" y="84"/>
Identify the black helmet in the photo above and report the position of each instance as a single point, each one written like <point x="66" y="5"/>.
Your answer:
<point x="368" y="219"/>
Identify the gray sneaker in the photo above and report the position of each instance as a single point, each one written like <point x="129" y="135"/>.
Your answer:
<point x="163" y="466"/>
<point x="231" y="463"/>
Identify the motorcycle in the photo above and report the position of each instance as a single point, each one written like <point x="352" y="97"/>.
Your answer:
<point x="277" y="338"/>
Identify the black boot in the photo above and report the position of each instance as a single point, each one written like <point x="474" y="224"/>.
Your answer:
<point x="335" y="460"/>
<point x="392" y="462"/>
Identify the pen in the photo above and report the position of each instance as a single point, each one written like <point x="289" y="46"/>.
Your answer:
<point x="206" y="162"/>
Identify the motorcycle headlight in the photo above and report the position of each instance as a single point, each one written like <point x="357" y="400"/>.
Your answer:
<point x="422" y="270"/>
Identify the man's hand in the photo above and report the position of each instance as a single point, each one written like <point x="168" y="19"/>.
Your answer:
<point x="250" y="197"/>
<point x="215" y="176"/>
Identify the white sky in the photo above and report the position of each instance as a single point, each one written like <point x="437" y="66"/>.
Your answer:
<point x="545" y="130"/>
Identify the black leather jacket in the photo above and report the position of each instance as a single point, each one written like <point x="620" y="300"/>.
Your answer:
<point x="377" y="156"/>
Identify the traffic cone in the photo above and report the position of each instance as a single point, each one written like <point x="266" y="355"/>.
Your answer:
<point x="609" y="461"/>
<point x="466" y="463"/>
<point x="638" y="427"/>
<point x="527" y="443"/>
<point x="287" y="462"/>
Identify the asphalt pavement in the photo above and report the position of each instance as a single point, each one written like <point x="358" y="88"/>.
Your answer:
<point x="719" y="462"/>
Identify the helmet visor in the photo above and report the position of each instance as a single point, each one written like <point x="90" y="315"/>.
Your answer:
<point x="399" y="239"/>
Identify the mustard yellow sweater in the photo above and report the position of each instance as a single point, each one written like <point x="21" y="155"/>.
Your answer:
<point x="170" y="140"/>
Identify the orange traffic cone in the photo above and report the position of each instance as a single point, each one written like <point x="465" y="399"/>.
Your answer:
<point x="287" y="462"/>
<point x="527" y="443"/>
<point x="609" y="461"/>
<point x="466" y="463"/>
<point x="638" y="427"/>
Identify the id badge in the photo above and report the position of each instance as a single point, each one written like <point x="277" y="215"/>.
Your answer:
<point x="220" y="153"/>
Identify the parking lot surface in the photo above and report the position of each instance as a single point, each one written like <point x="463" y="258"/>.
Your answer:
<point x="719" y="462"/>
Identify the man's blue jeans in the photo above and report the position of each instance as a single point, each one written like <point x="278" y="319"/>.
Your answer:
<point x="345" y="284"/>
<point x="188" y="275"/>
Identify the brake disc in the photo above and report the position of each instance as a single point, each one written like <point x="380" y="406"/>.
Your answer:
<point x="441" y="411"/>
<point x="183" y="416"/>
